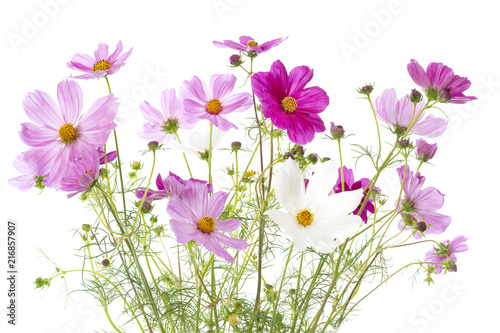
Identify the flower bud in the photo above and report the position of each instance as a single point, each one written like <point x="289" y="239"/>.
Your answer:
<point x="234" y="319"/>
<point x="325" y="159"/>
<point x="313" y="158"/>
<point x="132" y="175"/>
<point x="421" y="226"/>
<point x="146" y="207"/>
<point x="425" y="151"/>
<point x="86" y="227"/>
<point x="235" y="60"/>
<point x="450" y="265"/>
<point x="154" y="219"/>
<point x="235" y="146"/>
<point x="445" y="96"/>
<point x="152" y="145"/>
<point x="105" y="262"/>
<point x="289" y="155"/>
<point x="366" y="89"/>
<point x="136" y="165"/>
<point x="39" y="282"/>
<point x="337" y="131"/>
<point x="404" y="143"/>
<point x="415" y="96"/>
<point x="103" y="172"/>
<point x="269" y="287"/>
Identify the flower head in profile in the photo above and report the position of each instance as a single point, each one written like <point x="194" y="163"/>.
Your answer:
<point x="444" y="256"/>
<point x="248" y="44"/>
<point x="425" y="150"/>
<point x="215" y="101"/>
<point x="106" y="157"/>
<point x="351" y="185"/>
<point x="312" y="215"/>
<point x="419" y="206"/>
<point x="194" y="217"/>
<point x="287" y="102"/>
<point x="82" y="174"/>
<point x="168" y="187"/>
<point x="440" y="83"/>
<point x="101" y="64"/>
<point x="28" y="179"/>
<point x="399" y="114"/>
<point x="162" y="125"/>
<point x="60" y="133"/>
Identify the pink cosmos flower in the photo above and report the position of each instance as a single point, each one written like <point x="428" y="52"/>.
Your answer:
<point x="194" y="217"/>
<point x="351" y="185"/>
<point x="399" y="113"/>
<point x="29" y="178"/>
<point x="287" y="102"/>
<point x="168" y="187"/>
<point x="60" y="134"/>
<point x="106" y="157"/>
<point x="444" y="256"/>
<point x="82" y="175"/>
<point x="248" y="44"/>
<point x="215" y="102"/>
<point x="419" y="206"/>
<point x="425" y="150"/>
<point x="440" y="83"/>
<point x="101" y="64"/>
<point x="163" y="125"/>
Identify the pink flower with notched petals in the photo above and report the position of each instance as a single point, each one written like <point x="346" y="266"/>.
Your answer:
<point x="162" y="125"/>
<point x="287" y="102"/>
<point x="168" y="187"/>
<point x="82" y="174"/>
<point x="29" y="178"/>
<point x="214" y="102"/>
<point x="425" y="150"/>
<point x="399" y="114"/>
<point x="101" y="64"/>
<point x="248" y="44"/>
<point x="445" y="252"/>
<point x="419" y="206"/>
<point x="61" y="133"/>
<point x="440" y="83"/>
<point x="194" y="217"/>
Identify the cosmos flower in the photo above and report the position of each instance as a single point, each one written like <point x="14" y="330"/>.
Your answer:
<point x="425" y="150"/>
<point x="419" y="206"/>
<point x="60" y="133"/>
<point x="287" y="102"/>
<point x="399" y="114"/>
<point x="82" y="174"/>
<point x="168" y="187"/>
<point x="444" y="256"/>
<point x="162" y="125"/>
<point x="312" y="215"/>
<point x="214" y="102"/>
<point x="248" y="44"/>
<point x="194" y="217"/>
<point x="440" y="83"/>
<point x="101" y="64"/>
<point x="29" y="179"/>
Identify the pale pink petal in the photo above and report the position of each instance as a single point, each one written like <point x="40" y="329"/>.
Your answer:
<point x="70" y="97"/>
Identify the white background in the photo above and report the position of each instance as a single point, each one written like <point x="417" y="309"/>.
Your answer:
<point x="172" y="41"/>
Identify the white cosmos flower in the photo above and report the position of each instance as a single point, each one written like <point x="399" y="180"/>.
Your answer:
<point x="312" y="215"/>
<point x="199" y="141"/>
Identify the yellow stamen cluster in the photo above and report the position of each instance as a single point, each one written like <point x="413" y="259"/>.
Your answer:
<point x="252" y="43"/>
<point x="101" y="65"/>
<point x="249" y="174"/>
<point x="206" y="224"/>
<point x="67" y="133"/>
<point x="214" y="106"/>
<point x="289" y="104"/>
<point x="88" y="171"/>
<point x="305" y="217"/>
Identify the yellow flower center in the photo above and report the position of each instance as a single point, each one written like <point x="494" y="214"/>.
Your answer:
<point x="289" y="104"/>
<point x="101" y="65"/>
<point x="252" y="43"/>
<point x="67" y="133"/>
<point x="305" y="217"/>
<point x="206" y="224"/>
<point x="249" y="174"/>
<point x="214" y="106"/>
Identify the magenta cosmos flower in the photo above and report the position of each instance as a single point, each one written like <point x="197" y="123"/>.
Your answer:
<point x="351" y="185"/>
<point x="163" y="125"/>
<point x="289" y="105"/>
<point x="425" y="150"/>
<point x="29" y="179"/>
<point x="82" y="175"/>
<point x="399" y="113"/>
<point x="248" y="44"/>
<point x="444" y="256"/>
<point x="194" y="217"/>
<point x="419" y="206"/>
<point x="440" y="83"/>
<point x="168" y="187"/>
<point x="101" y="64"/>
<point x="214" y="102"/>
<point x="60" y="133"/>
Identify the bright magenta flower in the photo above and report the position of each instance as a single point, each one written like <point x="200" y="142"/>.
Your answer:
<point x="287" y="102"/>
<point x="194" y="217"/>
<point x="61" y="133"/>
<point x="101" y="64"/>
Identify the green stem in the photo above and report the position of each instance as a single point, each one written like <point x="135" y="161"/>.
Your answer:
<point x="378" y="130"/>
<point x="341" y="167"/>
<point x="185" y="158"/>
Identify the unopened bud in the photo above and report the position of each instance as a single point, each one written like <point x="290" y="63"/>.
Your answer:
<point x="152" y="145"/>
<point x="146" y="207"/>
<point x="289" y="155"/>
<point x="421" y="226"/>
<point x="105" y="262"/>
<point x="404" y="143"/>
<point x="235" y="60"/>
<point x="337" y="131"/>
<point x="136" y="165"/>
<point x="415" y="96"/>
<point x="366" y="89"/>
<point x="86" y="227"/>
<point x="313" y="158"/>
<point x="235" y="146"/>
